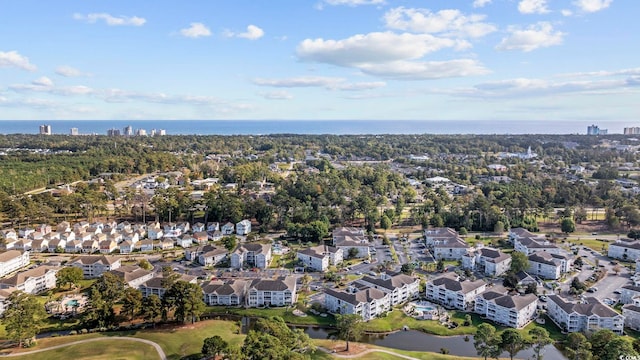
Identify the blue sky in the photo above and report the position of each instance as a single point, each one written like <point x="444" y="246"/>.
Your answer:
<point x="503" y="60"/>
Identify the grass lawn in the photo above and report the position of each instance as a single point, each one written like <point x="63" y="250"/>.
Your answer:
<point x="284" y="313"/>
<point x="339" y="345"/>
<point x="396" y="319"/>
<point x="593" y="244"/>
<point x="105" y="349"/>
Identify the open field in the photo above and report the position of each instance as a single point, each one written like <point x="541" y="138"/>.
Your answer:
<point x="104" y="350"/>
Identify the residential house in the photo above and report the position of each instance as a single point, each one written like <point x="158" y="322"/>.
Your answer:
<point x="133" y="275"/>
<point x="200" y="237"/>
<point x="40" y="245"/>
<point x="145" y="245"/>
<point x="32" y="281"/>
<point x="156" y="285"/>
<point x="225" y="292"/>
<point x="107" y="246"/>
<point x="227" y="229"/>
<point x="631" y="313"/>
<point x="253" y="254"/>
<point x="347" y="238"/>
<point x="490" y="262"/>
<point x="319" y="258"/>
<point x="63" y="227"/>
<point x="185" y="241"/>
<point x="365" y="301"/>
<point x="68" y="236"/>
<point x="514" y="311"/>
<point x="449" y="291"/>
<point x="126" y="247"/>
<point x="90" y="246"/>
<point x="545" y="265"/>
<point x="155" y="232"/>
<point x="272" y="292"/>
<point x="400" y="287"/>
<point x="165" y="244"/>
<point x="528" y="243"/>
<point x="94" y="266"/>
<point x="213" y="226"/>
<point x="445" y="243"/>
<point x="438" y="235"/>
<point x="4" y="296"/>
<point x="629" y="293"/>
<point x="23" y="244"/>
<point x="57" y="245"/>
<point x="12" y="260"/>
<point x="25" y="232"/>
<point x="8" y="234"/>
<point x="625" y="250"/>
<point x="215" y="236"/>
<point x="73" y="246"/>
<point x="591" y="315"/>
<point x="197" y="227"/>
<point x="212" y="255"/>
<point x="243" y="227"/>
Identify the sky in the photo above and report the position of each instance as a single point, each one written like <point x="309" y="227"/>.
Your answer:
<point x="503" y="60"/>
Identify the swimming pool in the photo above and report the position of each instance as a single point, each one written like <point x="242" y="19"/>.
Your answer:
<point x="423" y="309"/>
<point x="73" y="303"/>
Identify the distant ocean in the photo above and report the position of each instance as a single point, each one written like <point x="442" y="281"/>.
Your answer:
<point x="315" y="127"/>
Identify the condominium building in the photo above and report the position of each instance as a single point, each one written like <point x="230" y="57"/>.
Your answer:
<point x="589" y="315"/>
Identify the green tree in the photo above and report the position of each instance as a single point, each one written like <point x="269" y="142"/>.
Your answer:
<point x="512" y="342"/>
<point x="69" y="275"/>
<point x="296" y="340"/>
<point x="262" y="346"/>
<point x="440" y="265"/>
<point x="618" y="348"/>
<point x="131" y="302"/>
<point x="350" y="327"/>
<point x="352" y="253"/>
<point x="599" y="341"/>
<point x="486" y="341"/>
<point x="151" y="308"/>
<point x="229" y="242"/>
<point x="385" y="222"/>
<point x="186" y="299"/>
<point x="567" y="225"/>
<point x="145" y="264"/>
<point x="539" y="339"/>
<point x="578" y="347"/>
<point x="408" y="268"/>
<point x="23" y="317"/>
<point x="519" y="262"/>
<point x="103" y="295"/>
<point x="214" y="346"/>
<point x="498" y="228"/>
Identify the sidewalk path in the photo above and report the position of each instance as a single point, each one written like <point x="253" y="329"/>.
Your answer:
<point x="161" y="353"/>
<point x="365" y="353"/>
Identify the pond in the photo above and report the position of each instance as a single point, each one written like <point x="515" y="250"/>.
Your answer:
<point x="413" y="340"/>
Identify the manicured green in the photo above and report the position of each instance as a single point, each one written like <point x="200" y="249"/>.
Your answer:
<point x="284" y="313"/>
<point x="102" y="350"/>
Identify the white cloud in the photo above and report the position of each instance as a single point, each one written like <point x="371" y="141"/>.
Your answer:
<point x="566" y="12"/>
<point x="533" y="7"/>
<point x="390" y="55"/>
<point x="374" y="47"/>
<point x="426" y="70"/>
<point x="43" y="81"/>
<point x="14" y="59"/>
<point x="68" y="71"/>
<point x="533" y="37"/>
<point x="591" y="6"/>
<point x="253" y="33"/>
<point x="111" y="20"/>
<point x="196" y="30"/>
<point x="444" y="21"/>
<point x="602" y="73"/>
<point x="480" y="3"/>
<point x="276" y="95"/>
<point x="330" y="83"/>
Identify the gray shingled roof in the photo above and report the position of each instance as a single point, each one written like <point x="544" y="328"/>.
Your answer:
<point x="455" y="285"/>
<point x="592" y="307"/>
<point x="362" y="296"/>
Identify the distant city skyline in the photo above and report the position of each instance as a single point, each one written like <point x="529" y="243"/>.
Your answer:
<point x="520" y="60"/>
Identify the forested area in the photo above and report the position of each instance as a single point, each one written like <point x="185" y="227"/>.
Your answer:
<point x="331" y="180"/>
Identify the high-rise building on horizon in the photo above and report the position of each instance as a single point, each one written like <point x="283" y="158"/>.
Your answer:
<point x="73" y="131"/>
<point x="141" y="132"/>
<point x="595" y="130"/>
<point x="632" y="130"/>
<point x="45" y="129"/>
<point x="128" y="131"/>
<point x="113" y="132"/>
